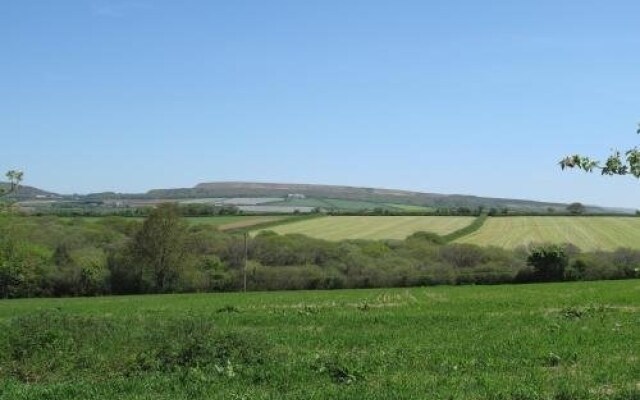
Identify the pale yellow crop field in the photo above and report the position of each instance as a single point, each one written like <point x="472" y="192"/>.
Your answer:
<point x="372" y="227"/>
<point x="588" y="233"/>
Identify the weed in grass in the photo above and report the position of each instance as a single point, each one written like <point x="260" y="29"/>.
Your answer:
<point x="54" y="346"/>
<point x="574" y="312"/>
<point x="191" y="345"/>
<point x="308" y="310"/>
<point x="552" y="360"/>
<point x="338" y="372"/>
<point x="228" y="309"/>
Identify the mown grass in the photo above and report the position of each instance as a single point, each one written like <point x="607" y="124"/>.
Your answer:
<point x="373" y="227"/>
<point x="223" y="222"/>
<point x="588" y="233"/>
<point x="546" y="341"/>
<point x="306" y="202"/>
<point x="338" y="204"/>
<point x="231" y="222"/>
<point x="410" y="207"/>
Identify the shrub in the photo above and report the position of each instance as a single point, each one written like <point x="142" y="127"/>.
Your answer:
<point x="549" y="262"/>
<point x="462" y="255"/>
<point x="428" y="237"/>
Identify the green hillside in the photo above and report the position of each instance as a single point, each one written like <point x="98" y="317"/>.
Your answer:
<point x="278" y="197"/>
<point x="27" y="192"/>
<point x="372" y="227"/>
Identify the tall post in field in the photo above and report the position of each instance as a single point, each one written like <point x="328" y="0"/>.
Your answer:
<point x="246" y="256"/>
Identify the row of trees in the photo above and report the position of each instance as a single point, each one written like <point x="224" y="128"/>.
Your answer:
<point x="49" y="256"/>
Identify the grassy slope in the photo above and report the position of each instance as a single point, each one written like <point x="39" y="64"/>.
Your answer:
<point x="228" y="222"/>
<point x="373" y="227"/>
<point x="409" y="207"/>
<point x="355" y="205"/>
<point x="588" y="233"/>
<point x="347" y="205"/>
<point x="224" y="222"/>
<point x="548" y="341"/>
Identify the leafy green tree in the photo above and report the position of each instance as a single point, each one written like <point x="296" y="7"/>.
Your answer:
<point x="22" y="268"/>
<point x="159" y="249"/>
<point x="618" y="163"/>
<point x="549" y="262"/>
<point x="61" y="256"/>
<point x="14" y="177"/>
<point x="576" y="208"/>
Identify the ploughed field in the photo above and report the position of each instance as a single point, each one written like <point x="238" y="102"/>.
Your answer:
<point x="542" y="341"/>
<point x="588" y="233"/>
<point x="372" y="227"/>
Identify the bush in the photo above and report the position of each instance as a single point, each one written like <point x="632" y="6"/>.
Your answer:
<point x="292" y="277"/>
<point x="462" y="255"/>
<point x="428" y="237"/>
<point x="548" y="262"/>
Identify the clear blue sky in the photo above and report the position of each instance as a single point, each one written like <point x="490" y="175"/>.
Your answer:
<point x="473" y="97"/>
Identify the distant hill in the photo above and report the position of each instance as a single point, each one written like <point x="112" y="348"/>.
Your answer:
<point x="28" y="192"/>
<point x="376" y="195"/>
<point x="384" y="197"/>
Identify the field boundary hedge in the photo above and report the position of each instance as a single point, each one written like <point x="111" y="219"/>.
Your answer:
<point x="271" y="224"/>
<point x="469" y="229"/>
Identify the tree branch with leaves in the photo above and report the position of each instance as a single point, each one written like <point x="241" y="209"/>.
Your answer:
<point x="618" y="163"/>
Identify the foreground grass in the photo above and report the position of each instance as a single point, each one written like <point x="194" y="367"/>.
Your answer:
<point x="588" y="233"/>
<point x="548" y="341"/>
<point x="373" y="227"/>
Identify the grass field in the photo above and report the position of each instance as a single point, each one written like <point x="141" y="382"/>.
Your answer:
<point x="529" y="342"/>
<point x="307" y="202"/>
<point x="372" y="227"/>
<point x="225" y="222"/>
<point x="410" y="208"/>
<point x="354" y="205"/>
<point x="346" y="205"/>
<point x="588" y="233"/>
<point x="237" y="221"/>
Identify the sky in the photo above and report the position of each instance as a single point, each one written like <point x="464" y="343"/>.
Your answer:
<point x="470" y="97"/>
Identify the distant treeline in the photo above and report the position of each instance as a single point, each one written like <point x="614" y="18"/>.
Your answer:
<point x="50" y="256"/>
<point x="72" y="209"/>
<point x="185" y="210"/>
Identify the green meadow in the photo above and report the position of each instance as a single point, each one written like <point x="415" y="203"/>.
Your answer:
<point x="540" y="341"/>
<point x="372" y="227"/>
<point x="222" y="222"/>
<point x="230" y="222"/>
<point x="588" y="233"/>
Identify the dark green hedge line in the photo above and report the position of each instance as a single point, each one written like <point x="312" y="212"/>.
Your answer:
<point x="474" y="226"/>
<point x="50" y="256"/>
